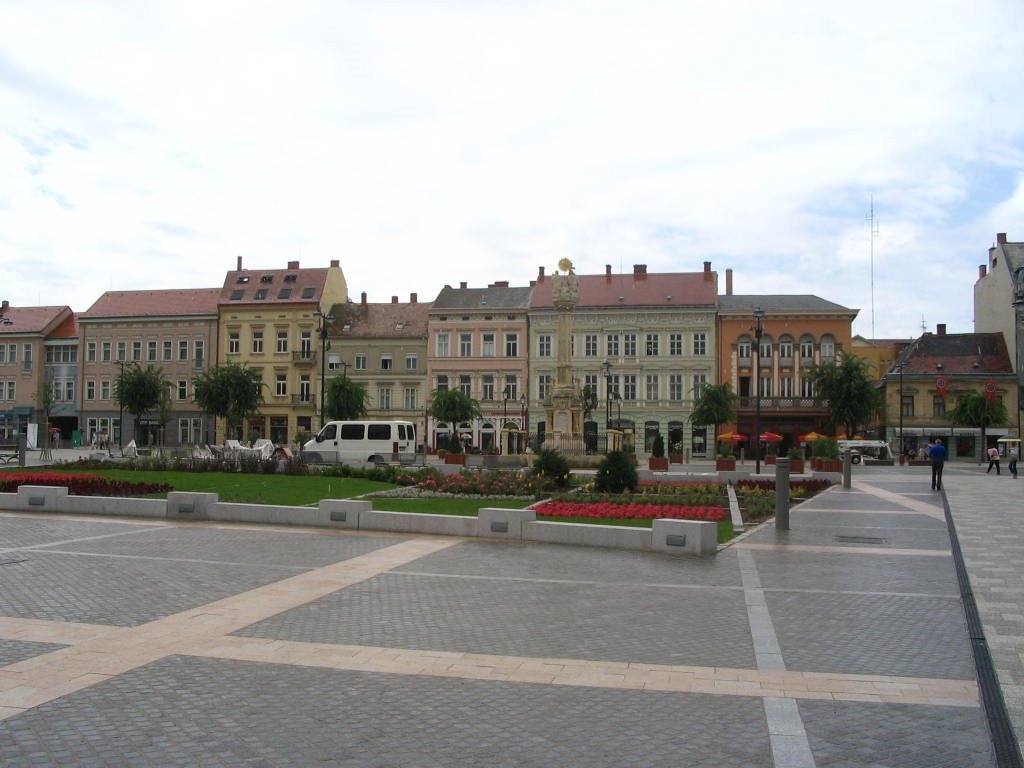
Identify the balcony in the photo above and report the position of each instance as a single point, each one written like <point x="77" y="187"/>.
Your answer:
<point x="302" y="401"/>
<point x="304" y="357"/>
<point x="804" y="404"/>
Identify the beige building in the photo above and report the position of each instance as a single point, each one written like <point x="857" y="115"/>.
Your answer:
<point x="173" y="330"/>
<point x="270" y="321"/>
<point x="25" y="367"/>
<point x="384" y="348"/>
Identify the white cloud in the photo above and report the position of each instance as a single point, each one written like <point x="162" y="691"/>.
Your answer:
<point x="425" y="144"/>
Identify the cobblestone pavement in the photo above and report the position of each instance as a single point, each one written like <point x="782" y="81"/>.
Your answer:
<point x="841" y="642"/>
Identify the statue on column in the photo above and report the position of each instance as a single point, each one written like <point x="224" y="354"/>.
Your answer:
<point x="564" y="403"/>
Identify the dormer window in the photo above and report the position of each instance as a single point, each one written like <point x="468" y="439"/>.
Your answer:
<point x="243" y="278"/>
<point x="267" y="279"/>
<point x="261" y="294"/>
<point x="290" y="278"/>
<point x="237" y="294"/>
<point x="284" y="293"/>
<point x="307" y="293"/>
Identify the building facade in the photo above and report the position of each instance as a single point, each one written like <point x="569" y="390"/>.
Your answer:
<point x="174" y="331"/>
<point x="645" y="343"/>
<point x="271" y="320"/>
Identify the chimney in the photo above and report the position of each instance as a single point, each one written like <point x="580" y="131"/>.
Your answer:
<point x="940" y="329"/>
<point x="364" y="298"/>
<point x="293" y="265"/>
<point x="1001" y="238"/>
<point x="982" y="271"/>
<point x="394" y="299"/>
<point x="462" y="285"/>
<point x="639" y="271"/>
<point x="334" y="263"/>
<point x="540" y="275"/>
<point x="239" y="267"/>
<point x="728" y="282"/>
<point x="412" y="298"/>
<point x="499" y="284"/>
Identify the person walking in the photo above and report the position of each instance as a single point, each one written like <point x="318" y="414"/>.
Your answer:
<point x="937" y="453"/>
<point x="1014" y="455"/>
<point x="993" y="460"/>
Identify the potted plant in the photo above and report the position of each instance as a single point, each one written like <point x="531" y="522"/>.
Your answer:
<point x="725" y="462"/>
<point x="455" y="454"/>
<point x="657" y="461"/>
<point x="490" y="456"/>
<point x="675" y="453"/>
<point x="825" y="455"/>
<point x="796" y="460"/>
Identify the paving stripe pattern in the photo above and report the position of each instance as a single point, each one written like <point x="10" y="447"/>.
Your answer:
<point x="322" y="596"/>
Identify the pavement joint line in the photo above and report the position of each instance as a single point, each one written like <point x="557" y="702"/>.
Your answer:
<point x="912" y="504"/>
<point x="45" y="547"/>
<point x="849" y="549"/>
<point x="119" y="556"/>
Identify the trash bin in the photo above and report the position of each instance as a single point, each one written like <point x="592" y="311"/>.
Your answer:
<point x="76" y="438"/>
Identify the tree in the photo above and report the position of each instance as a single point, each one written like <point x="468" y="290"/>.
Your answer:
<point x="44" y="399"/>
<point x="453" y="406"/>
<point x="849" y="390"/>
<point x="230" y="392"/>
<point x="345" y="399"/>
<point x="716" y="405"/>
<point x="976" y="409"/>
<point x="588" y="400"/>
<point x="164" y="413"/>
<point x="138" y="390"/>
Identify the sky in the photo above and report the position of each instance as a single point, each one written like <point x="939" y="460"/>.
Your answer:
<point x="148" y="145"/>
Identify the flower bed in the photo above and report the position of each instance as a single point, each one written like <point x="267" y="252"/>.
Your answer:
<point x="608" y="510"/>
<point x="80" y="484"/>
<point x="489" y="484"/>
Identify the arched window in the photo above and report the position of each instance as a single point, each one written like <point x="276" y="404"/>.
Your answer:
<point x="806" y="348"/>
<point x="786" y="349"/>
<point x="743" y="346"/>
<point x="766" y="349"/>
<point x="828" y="348"/>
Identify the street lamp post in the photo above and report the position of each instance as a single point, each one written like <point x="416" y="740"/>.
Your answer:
<point x="504" y="415"/>
<point x="524" y="414"/>
<point x="322" y="331"/>
<point x="899" y="367"/>
<point x="756" y="437"/>
<point x="606" y="368"/>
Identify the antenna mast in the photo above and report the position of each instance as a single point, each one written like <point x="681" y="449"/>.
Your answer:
<point x="873" y="229"/>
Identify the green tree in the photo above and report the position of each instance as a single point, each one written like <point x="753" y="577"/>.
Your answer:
<point x="716" y="405"/>
<point x="44" y="399"/>
<point x="164" y="413"/>
<point x="850" y="392"/>
<point x="230" y="392"/>
<point x="138" y="390"/>
<point x="453" y="406"/>
<point x="588" y="400"/>
<point x="345" y="399"/>
<point x="975" y="409"/>
<point x="616" y="473"/>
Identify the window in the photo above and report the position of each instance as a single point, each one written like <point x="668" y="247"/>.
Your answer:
<point x="122" y="351"/>
<point x="488" y="345"/>
<point x="183" y="347"/>
<point x="12" y="353"/>
<point x="806" y="349"/>
<point x="511" y="382"/>
<point x="743" y="350"/>
<point x="386" y="362"/>
<point x="765" y="386"/>
<point x="26" y="356"/>
<point x="261" y="293"/>
<point x="90" y="390"/>
<point x="786" y="348"/>
<point x="384" y="398"/>
<point x="443" y="342"/>
<point x="308" y="291"/>
<point x="90" y="352"/>
<point x="765" y="350"/>
<point x="169" y="351"/>
<point x="410" y="399"/>
<point x="612" y="344"/>
<point x="234" y="343"/>
<point x="700" y="344"/>
<point x="544" y="345"/>
<point x="411" y="361"/>
<point x="651" y="345"/>
<point x="360" y="361"/>
<point x="282" y="341"/>
<point x="590" y="380"/>
<point x="378" y="432"/>
<point x="281" y="384"/>
<point x="60" y="354"/>
<point x="806" y="387"/>
<point x="306" y="343"/>
<point x="828" y="348"/>
<point x="590" y="345"/>
<point x="908" y="405"/>
<point x="543" y="385"/>
<point x="652" y="387"/>
<point x="11" y="385"/>
<point x="465" y="345"/>
<point x="257" y="344"/>
<point x="785" y="386"/>
<point x="442" y="384"/>
<point x="105" y="389"/>
<point x="304" y="388"/>
<point x="488" y="388"/>
<point x="629" y="386"/>
<point x="938" y="406"/>
<point x="137" y="350"/>
<point x="466" y="385"/>
<point x="151" y="351"/>
<point x="675" y="344"/>
<point x="284" y="293"/>
<point x="182" y="389"/>
<point x="629" y="344"/>
<point x="200" y="346"/>
<point x="353" y="431"/>
<point x="106" y="351"/>
<point x="511" y="345"/>
<point x="700" y="380"/>
<point x="675" y="387"/>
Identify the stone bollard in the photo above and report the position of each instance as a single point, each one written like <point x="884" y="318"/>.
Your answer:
<point x="22" y="447"/>
<point x="782" y="494"/>
<point x="847" y="466"/>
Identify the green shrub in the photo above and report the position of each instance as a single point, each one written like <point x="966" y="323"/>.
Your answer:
<point x="658" y="447"/>
<point x="553" y="467"/>
<point x="616" y="474"/>
<point x="825" y="448"/>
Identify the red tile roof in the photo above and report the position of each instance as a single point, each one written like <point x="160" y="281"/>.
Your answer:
<point x="164" y="303"/>
<point x="275" y="286"/>
<point x="978" y="354"/>
<point x="673" y="289"/>
<point x="379" y="320"/>
<point x="30" y="319"/>
<point x="67" y="330"/>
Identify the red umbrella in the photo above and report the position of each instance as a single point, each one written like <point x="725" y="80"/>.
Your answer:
<point x="770" y="437"/>
<point x="734" y="436"/>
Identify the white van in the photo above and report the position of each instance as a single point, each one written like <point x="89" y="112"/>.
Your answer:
<point x="871" y="449"/>
<point x="341" y="441"/>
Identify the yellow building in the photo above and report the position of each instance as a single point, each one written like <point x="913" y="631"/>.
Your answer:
<point x="270" y="321"/>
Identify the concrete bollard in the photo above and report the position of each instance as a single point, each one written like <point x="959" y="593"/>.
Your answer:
<point x="22" y="447"/>
<point x="847" y="468"/>
<point x="782" y="493"/>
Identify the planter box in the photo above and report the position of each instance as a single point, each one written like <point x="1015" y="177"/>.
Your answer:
<point x="827" y="465"/>
<point x="675" y="458"/>
<point x="490" y="459"/>
<point x="657" y="464"/>
<point x="725" y="465"/>
<point x="455" y="458"/>
<point x="796" y="466"/>
<point x="769" y="459"/>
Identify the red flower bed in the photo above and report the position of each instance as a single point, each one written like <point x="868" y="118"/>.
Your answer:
<point x="632" y="511"/>
<point x="81" y="484"/>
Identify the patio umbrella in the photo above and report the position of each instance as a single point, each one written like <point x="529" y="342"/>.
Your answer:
<point x="770" y="437"/>
<point x="734" y="436"/>
<point x="810" y="437"/>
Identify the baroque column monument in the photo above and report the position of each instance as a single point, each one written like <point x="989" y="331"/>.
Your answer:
<point x="563" y="406"/>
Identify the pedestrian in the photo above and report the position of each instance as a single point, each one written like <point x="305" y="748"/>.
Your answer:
<point x="1014" y="455"/>
<point x="937" y="453"/>
<point x="993" y="460"/>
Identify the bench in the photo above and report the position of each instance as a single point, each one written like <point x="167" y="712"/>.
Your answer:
<point x="8" y="452"/>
